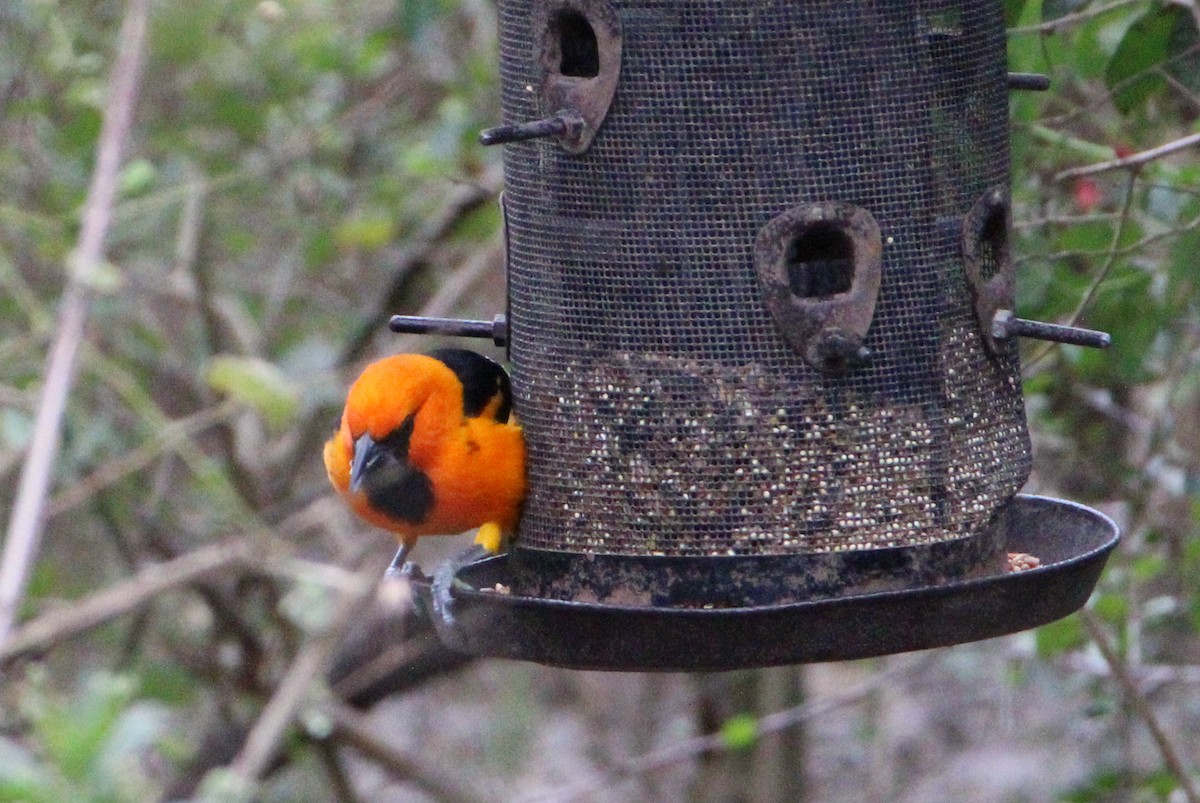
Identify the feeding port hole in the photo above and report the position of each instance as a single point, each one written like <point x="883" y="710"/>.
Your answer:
<point x="578" y="48"/>
<point x="820" y="262"/>
<point x="993" y="243"/>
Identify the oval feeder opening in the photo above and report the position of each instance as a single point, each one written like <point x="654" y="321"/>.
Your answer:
<point x="718" y="477"/>
<point x="577" y="45"/>
<point x="820" y="262"/>
<point x="993" y="243"/>
<point x="987" y="261"/>
<point x="819" y="267"/>
<point x="576" y="67"/>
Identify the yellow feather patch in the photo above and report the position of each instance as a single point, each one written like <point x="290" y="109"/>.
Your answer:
<point x="490" y="537"/>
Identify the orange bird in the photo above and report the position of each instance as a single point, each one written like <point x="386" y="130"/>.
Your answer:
<point x="425" y="447"/>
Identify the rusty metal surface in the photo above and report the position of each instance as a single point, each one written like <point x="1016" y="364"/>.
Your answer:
<point x="826" y="325"/>
<point x="577" y="90"/>
<point x="1072" y="541"/>
<point x="749" y="580"/>
<point x="987" y="259"/>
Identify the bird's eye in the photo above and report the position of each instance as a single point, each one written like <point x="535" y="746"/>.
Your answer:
<point x="397" y="440"/>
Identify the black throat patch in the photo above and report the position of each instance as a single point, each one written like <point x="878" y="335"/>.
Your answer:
<point x="392" y="484"/>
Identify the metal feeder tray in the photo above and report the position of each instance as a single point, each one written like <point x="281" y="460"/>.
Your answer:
<point x="1072" y="541"/>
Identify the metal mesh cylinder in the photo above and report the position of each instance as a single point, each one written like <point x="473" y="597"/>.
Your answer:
<point x="668" y="412"/>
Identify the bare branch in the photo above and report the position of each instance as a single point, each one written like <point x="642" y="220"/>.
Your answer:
<point x="1101" y="275"/>
<point x="122" y="598"/>
<point x="713" y="742"/>
<point x="1071" y="19"/>
<point x="350" y="729"/>
<point x="1133" y="161"/>
<point x="1130" y="689"/>
<point x="26" y="523"/>
<point x="306" y="669"/>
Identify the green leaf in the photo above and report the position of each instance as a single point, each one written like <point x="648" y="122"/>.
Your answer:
<point x="1091" y="236"/>
<point x="309" y="605"/>
<point x="365" y="233"/>
<point x="1016" y="12"/>
<point x="167" y="683"/>
<point x="1059" y="637"/>
<point x="101" y="276"/>
<point x="137" y="177"/>
<point x="1112" y="608"/>
<point x="257" y="384"/>
<point x="320" y="248"/>
<point x="1131" y="76"/>
<point x="74" y="731"/>
<point x="225" y="786"/>
<point x="740" y="732"/>
<point x="1148" y="567"/>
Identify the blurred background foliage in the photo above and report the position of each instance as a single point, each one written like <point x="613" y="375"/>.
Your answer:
<point x="300" y="169"/>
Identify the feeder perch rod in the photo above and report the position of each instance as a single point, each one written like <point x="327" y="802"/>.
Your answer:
<point x="496" y="329"/>
<point x="563" y="123"/>
<point x="1028" y="81"/>
<point x="1006" y="325"/>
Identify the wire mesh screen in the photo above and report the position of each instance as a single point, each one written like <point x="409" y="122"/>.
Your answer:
<point x="665" y="413"/>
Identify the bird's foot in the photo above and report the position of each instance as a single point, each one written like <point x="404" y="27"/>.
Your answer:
<point x="402" y="569"/>
<point x="445" y="581"/>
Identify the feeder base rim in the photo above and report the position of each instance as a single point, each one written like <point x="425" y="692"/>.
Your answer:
<point x="1073" y="542"/>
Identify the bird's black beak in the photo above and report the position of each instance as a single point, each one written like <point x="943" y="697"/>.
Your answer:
<point x="368" y="455"/>
<point x="380" y="466"/>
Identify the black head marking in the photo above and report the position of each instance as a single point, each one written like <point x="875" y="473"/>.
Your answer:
<point x="398" y="439"/>
<point x="391" y="483"/>
<point x="483" y="381"/>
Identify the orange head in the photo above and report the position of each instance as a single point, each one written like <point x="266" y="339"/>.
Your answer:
<point x="415" y="455"/>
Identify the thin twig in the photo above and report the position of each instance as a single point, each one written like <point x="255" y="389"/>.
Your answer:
<point x="465" y="200"/>
<point x="1063" y="220"/>
<point x="1129" y="686"/>
<point x="1070" y="19"/>
<point x="350" y="728"/>
<point x="714" y="742"/>
<point x="1133" y="161"/>
<point x="1101" y="275"/>
<point x="1132" y="248"/>
<point x="339" y="778"/>
<point x="170" y="437"/>
<point x="306" y="669"/>
<point x="117" y="600"/>
<point x="26" y="523"/>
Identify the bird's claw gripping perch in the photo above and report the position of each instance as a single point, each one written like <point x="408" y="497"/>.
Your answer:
<point x="445" y="582"/>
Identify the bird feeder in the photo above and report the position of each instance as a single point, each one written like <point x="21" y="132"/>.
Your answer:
<point x="763" y="339"/>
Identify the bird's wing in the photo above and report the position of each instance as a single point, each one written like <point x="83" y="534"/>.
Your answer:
<point x="486" y="389"/>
